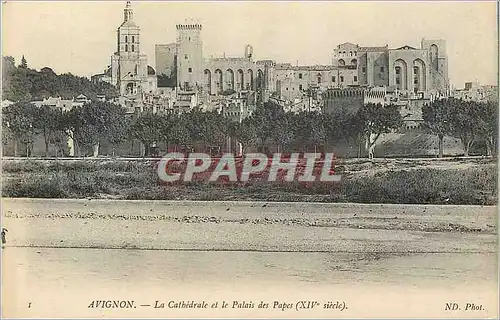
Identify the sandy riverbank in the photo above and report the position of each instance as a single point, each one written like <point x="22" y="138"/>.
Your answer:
<point x="382" y="260"/>
<point x="260" y="226"/>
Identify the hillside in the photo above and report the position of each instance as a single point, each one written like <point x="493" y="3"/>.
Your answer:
<point x="20" y="83"/>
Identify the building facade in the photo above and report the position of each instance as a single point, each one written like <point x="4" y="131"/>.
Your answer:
<point x="408" y="69"/>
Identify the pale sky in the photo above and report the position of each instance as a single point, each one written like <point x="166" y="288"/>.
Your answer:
<point x="79" y="37"/>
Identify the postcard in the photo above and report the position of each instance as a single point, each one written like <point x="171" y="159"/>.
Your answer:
<point x="287" y="159"/>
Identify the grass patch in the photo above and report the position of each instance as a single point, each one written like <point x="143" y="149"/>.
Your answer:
<point x="137" y="180"/>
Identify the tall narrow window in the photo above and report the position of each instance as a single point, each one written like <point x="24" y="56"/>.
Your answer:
<point x="333" y="78"/>
<point x="185" y="56"/>
<point x="133" y="48"/>
<point x="341" y="78"/>
<point x="133" y="39"/>
<point x="126" y="47"/>
<point x="126" y="39"/>
<point x="355" y="78"/>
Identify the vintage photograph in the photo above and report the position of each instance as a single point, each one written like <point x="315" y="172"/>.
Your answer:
<point x="249" y="159"/>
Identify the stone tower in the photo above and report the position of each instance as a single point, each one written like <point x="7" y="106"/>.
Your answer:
<point x="438" y="63"/>
<point x="129" y="67"/>
<point x="189" y="56"/>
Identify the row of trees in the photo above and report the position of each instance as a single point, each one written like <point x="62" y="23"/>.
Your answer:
<point x="22" y="122"/>
<point x="469" y="121"/>
<point x="269" y="125"/>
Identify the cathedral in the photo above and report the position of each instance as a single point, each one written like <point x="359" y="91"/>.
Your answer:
<point x="129" y="70"/>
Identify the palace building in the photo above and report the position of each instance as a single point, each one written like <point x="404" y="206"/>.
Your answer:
<point x="407" y="70"/>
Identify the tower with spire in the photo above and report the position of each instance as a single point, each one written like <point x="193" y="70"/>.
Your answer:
<point x="129" y="68"/>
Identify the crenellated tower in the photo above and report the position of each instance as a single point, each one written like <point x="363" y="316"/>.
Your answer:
<point x="189" y="56"/>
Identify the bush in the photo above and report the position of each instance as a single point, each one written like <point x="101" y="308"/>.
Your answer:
<point x="36" y="187"/>
<point x="425" y="186"/>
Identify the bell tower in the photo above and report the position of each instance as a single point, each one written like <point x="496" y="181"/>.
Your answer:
<point x="128" y="34"/>
<point x="128" y="13"/>
<point x="128" y="66"/>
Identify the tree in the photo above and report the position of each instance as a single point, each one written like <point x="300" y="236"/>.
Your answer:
<point x="372" y="120"/>
<point x="147" y="128"/>
<point x="23" y="64"/>
<point x="488" y="125"/>
<point x="464" y="121"/>
<point x="16" y="85"/>
<point x="264" y="119"/>
<point x="436" y="120"/>
<point x="178" y="132"/>
<point x="207" y="127"/>
<point x="245" y="133"/>
<point x="47" y="121"/>
<point x="59" y="138"/>
<point x="19" y="118"/>
<point x="282" y="131"/>
<point x="116" y="125"/>
<point x="90" y="123"/>
<point x="338" y="127"/>
<point x="310" y="128"/>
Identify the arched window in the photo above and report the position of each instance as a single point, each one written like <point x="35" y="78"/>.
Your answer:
<point x="341" y="62"/>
